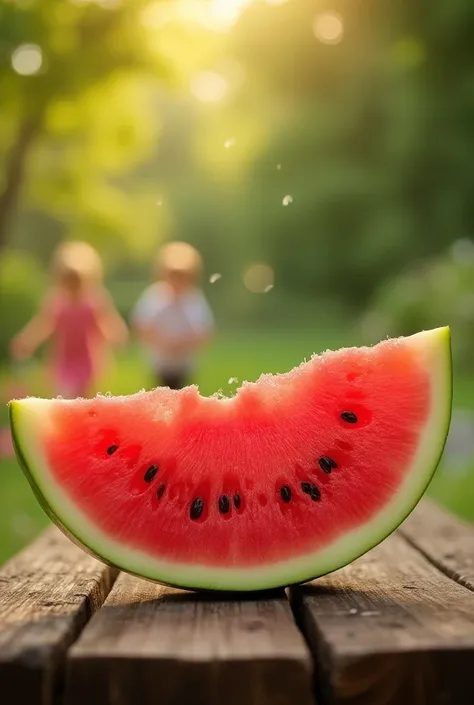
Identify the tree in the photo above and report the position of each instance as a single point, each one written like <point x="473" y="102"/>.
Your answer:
<point x="76" y="112"/>
<point x="373" y="134"/>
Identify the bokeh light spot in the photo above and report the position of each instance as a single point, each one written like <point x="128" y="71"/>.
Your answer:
<point x="259" y="278"/>
<point x="27" y="59"/>
<point x="155" y="16"/>
<point x="209" y="87"/>
<point x="328" y="27"/>
<point x="462" y="252"/>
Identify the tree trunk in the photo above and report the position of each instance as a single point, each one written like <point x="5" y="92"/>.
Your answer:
<point x="14" y="173"/>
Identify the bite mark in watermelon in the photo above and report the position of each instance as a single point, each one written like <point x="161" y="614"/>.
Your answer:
<point x="293" y="477"/>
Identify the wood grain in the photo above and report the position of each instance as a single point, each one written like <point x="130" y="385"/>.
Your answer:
<point x="47" y="594"/>
<point x="151" y="644"/>
<point x="444" y="540"/>
<point x="390" y="629"/>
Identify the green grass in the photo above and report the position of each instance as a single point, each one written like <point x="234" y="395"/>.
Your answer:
<point x="242" y="355"/>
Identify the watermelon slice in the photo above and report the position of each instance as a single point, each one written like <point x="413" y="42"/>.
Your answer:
<point x="295" y="476"/>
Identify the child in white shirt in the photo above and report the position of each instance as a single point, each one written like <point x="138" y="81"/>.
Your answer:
<point x="172" y="317"/>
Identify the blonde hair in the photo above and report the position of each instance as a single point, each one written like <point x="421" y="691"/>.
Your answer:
<point x="78" y="260"/>
<point x="179" y="258"/>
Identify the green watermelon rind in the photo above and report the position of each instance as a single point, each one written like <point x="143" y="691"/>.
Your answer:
<point x="25" y="420"/>
<point x="42" y="499"/>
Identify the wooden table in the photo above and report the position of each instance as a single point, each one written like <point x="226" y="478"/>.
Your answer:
<point x="394" y="628"/>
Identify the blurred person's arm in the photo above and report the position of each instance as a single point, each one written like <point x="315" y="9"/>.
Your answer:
<point x="194" y="341"/>
<point x="161" y="343"/>
<point x="111" y="324"/>
<point x="35" y="333"/>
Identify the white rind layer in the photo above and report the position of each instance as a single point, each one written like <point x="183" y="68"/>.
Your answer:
<point x="29" y="416"/>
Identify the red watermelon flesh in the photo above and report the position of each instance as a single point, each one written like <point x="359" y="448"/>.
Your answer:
<point x="293" y="477"/>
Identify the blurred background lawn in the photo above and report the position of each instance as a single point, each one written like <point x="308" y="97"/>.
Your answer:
<point x="329" y="140"/>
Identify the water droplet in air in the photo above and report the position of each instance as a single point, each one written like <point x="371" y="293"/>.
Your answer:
<point x="370" y="613"/>
<point x="279" y="167"/>
<point x="229" y="143"/>
<point x="215" y="278"/>
<point x="233" y="380"/>
<point x="287" y="200"/>
<point x="353" y="610"/>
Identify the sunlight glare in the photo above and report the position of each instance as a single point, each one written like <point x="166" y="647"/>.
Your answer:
<point x="328" y="27"/>
<point x="215" y="15"/>
<point x="223" y="14"/>
<point x="106" y="4"/>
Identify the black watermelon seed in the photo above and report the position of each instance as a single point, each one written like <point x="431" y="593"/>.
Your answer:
<point x="237" y="501"/>
<point x="285" y="493"/>
<point x="161" y="490"/>
<point x="327" y="464"/>
<point x="349" y="417"/>
<point x="150" y="473"/>
<point x="311" y="490"/>
<point x="224" y="504"/>
<point x="111" y="449"/>
<point x="196" y="508"/>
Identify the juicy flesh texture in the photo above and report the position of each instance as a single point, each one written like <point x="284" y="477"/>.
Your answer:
<point x="270" y="435"/>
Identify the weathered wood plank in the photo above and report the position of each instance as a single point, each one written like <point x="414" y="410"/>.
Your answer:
<point x="446" y="541"/>
<point x="47" y="594"/>
<point x="390" y="629"/>
<point x="151" y="644"/>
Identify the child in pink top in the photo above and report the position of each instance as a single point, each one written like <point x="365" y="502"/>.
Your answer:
<point x="79" y="317"/>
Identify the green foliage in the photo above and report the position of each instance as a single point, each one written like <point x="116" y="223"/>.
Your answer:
<point x="434" y="293"/>
<point x="90" y="111"/>
<point x="21" y="285"/>
<point x="373" y="135"/>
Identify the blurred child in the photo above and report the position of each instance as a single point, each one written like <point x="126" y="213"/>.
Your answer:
<point x="172" y="318"/>
<point x="78" y="315"/>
